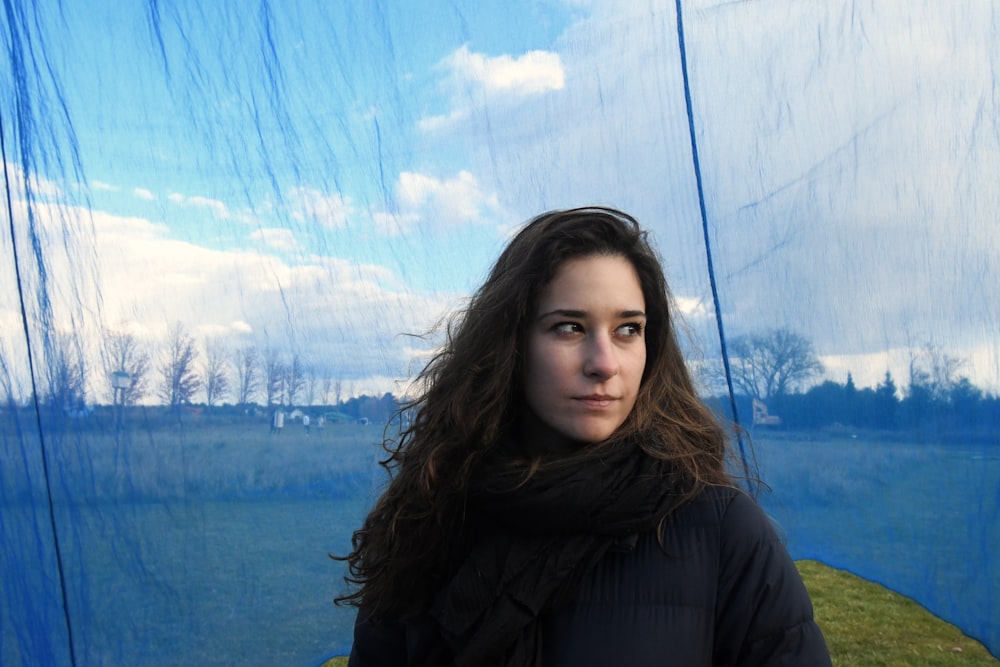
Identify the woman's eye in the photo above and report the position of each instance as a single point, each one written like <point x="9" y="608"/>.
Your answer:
<point x="630" y="330"/>
<point x="567" y="327"/>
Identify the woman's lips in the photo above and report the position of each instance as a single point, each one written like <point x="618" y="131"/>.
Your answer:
<point x="596" y="400"/>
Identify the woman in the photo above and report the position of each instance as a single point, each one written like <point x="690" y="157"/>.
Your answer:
<point x="561" y="496"/>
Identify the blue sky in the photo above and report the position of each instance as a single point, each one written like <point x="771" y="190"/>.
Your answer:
<point x="322" y="116"/>
<point x="326" y="176"/>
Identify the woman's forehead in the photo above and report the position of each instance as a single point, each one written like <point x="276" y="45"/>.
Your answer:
<point x="597" y="281"/>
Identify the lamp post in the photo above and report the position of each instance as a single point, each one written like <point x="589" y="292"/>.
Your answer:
<point x="120" y="381"/>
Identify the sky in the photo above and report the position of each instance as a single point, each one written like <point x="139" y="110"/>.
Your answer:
<point x="328" y="179"/>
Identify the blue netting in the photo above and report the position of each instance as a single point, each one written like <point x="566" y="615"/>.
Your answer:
<point x="237" y="210"/>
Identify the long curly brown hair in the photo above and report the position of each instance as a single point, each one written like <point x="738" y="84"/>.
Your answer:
<point x="470" y="393"/>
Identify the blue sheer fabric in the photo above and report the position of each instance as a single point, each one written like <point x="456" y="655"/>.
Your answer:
<point x="223" y="222"/>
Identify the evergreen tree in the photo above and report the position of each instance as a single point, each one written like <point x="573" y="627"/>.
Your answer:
<point x="886" y="403"/>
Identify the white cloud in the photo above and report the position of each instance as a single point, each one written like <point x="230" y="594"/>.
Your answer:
<point x="101" y="185"/>
<point x="337" y="314"/>
<point x="276" y="238"/>
<point x="474" y="80"/>
<point x="39" y="186"/>
<point x="428" y="204"/>
<point x="693" y="307"/>
<point x="212" y="331"/>
<point x="217" y="208"/>
<point x="239" y="326"/>
<point x="220" y="210"/>
<point x="435" y="123"/>
<point x="442" y="203"/>
<point x="332" y="211"/>
<point x="144" y="194"/>
<point x="529" y="74"/>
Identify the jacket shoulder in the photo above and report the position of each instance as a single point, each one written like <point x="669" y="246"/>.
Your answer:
<point x="763" y="612"/>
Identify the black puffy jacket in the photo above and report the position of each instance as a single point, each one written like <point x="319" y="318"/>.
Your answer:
<point x="721" y="591"/>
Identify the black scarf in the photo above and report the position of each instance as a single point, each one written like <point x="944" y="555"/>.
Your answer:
<point x="542" y="538"/>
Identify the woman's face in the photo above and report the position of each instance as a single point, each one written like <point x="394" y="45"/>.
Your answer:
<point x="586" y="348"/>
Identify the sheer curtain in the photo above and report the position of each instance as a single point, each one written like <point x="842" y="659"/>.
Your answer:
<point x="215" y="215"/>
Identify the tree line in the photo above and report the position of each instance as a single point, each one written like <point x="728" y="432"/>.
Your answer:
<point x="184" y="373"/>
<point x="778" y="368"/>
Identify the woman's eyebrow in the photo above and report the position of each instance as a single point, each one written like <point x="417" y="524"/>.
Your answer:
<point x="566" y="312"/>
<point x="563" y="312"/>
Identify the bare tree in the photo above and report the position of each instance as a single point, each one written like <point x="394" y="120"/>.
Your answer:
<point x="294" y="379"/>
<point x="935" y="372"/>
<point x="179" y="379"/>
<point x="65" y="374"/>
<point x="772" y="364"/>
<point x="215" y="373"/>
<point x="247" y="378"/>
<point x="124" y="353"/>
<point x="327" y="388"/>
<point x="312" y="386"/>
<point x="274" y="378"/>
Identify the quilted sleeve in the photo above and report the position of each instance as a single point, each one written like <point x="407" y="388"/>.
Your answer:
<point x="764" y="614"/>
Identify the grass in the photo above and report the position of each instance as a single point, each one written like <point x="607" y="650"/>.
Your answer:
<point x="867" y="625"/>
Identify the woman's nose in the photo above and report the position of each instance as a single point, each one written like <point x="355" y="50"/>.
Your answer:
<point x="602" y="358"/>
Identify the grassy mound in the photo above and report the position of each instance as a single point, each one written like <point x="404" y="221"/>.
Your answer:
<point x="867" y="624"/>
